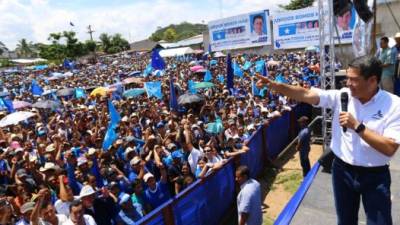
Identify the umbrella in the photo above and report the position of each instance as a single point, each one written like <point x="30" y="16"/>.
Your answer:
<point x="131" y="80"/>
<point x="134" y="92"/>
<point x="47" y="92"/>
<point x="15" y="118"/>
<point x="115" y="85"/>
<point x="190" y="98"/>
<point x="203" y="85"/>
<point x="21" y="104"/>
<point x="134" y="73"/>
<point x="192" y="63"/>
<point x="65" y="92"/>
<point x="100" y="91"/>
<point x="196" y="68"/>
<point x="46" y="104"/>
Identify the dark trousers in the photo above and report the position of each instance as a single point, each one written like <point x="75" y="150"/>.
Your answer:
<point x="305" y="161"/>
<point x="371" y="185"/>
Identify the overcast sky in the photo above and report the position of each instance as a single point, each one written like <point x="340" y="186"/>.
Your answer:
<point x="134" y="19"/>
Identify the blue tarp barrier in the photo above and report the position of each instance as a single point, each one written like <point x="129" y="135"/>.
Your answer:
<point x="290" y="209"/>
<point x="277" y="135"/>
<point x="254" y="159"/>
<point x="156" y="216"/>
<point x="207" y="203"/>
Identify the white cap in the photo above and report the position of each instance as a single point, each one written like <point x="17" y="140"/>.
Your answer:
<point x="50" y="148"/>
<point x="124" y="119"/>
<point x="147" y="176"/>
<point x="82" y="160"/>
<point x="48" y="166"/>
<point x="91" y="151"/>
<point x="129" y="150"/>
<point x="86" y="191"/>
<point x="135" y="160"/>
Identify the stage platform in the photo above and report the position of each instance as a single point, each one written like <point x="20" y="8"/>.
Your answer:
<point x="318" y="205"/>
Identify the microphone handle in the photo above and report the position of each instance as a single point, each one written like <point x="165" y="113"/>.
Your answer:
<point x="344" y="129"/>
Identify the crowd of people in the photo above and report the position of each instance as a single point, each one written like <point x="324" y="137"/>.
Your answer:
<point x="54" y="168"/>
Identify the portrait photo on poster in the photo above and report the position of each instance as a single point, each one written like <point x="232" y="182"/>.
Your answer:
<point x="258" y="24"/>
<point x="347" y="21"/>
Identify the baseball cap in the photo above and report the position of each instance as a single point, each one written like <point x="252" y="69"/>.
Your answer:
<point x="147" y="176"/>
<point x="82" y="160"/>
<point x="176" y="154"/>
<point x="50" y="148"/>
<point x="135" y="160"/>
<point x="86" y="190"/>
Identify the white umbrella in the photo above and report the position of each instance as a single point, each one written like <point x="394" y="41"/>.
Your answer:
<point x="15" y="118"/>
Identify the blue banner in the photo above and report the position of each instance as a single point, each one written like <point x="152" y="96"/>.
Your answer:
<point x="153" y="89"/>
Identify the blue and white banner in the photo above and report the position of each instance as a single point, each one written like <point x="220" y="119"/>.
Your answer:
<point x="241" y="31"/>
<point x="300" y="28"/>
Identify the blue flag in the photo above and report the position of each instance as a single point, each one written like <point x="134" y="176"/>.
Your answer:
<point x="207" y="76"/>
<point x="260" y="64"/>
<point x="115" y="118"/>
<point x="247" y="65"/>
<point x="153" y="89"/>
<point x="287" y="29"/>
<point x="157" y="62"/>
<point x="7" y="104"/>
<point x="237" y="71"/>
<point x="255" y="91"/>
<point x="191" y="88"/>
<point x="221" y="78"/>
<point x="80" y="93"/>
<point x="229" y="73"/>
<point x="148" y="70"/>
<point x="109" y="138"/>
<point x="173" y="101"/>
<point x="36" y="89"/>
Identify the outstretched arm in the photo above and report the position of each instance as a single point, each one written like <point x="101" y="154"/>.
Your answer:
<point x="295" y="92"/>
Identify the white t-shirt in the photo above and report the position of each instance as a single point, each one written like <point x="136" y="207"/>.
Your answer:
<point x="87" y="218"/>
<point x="62" y="219"/>
<point x="63" y="207"/>
<point x="193" y="159"/>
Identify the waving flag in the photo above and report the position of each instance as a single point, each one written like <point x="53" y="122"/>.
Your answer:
<point x="207" y="76"/>
<point x="255" y="91"/>
<point x="157" y="62"/>
<point x="153" y="89"/>
<point x="109" y="138"/>
<point x="80" y="93"/>
<point x="115" y="118"/>
<point x="191" y="88"/>
<point x="237" y="71"/>
<point x="7" y="103"/>
<point x="229" y="72"/>
<point x="247" y="65"/>
<point x="148" y="70"/>
<point x="173" y="101"/>
<point x="36" y="89"/>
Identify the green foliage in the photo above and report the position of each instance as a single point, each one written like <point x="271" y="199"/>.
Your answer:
<point x="170" y="35"/>
<point x="6" y="63"/>
<point x="183" y="31"/>
<point x="290" y="180"/>
<point x="113" y="44"/>
<point x="90" y="45"/>
<point x="56" y="51"/>
<point x="297" y="4"/>
<point x="25" y="49"/>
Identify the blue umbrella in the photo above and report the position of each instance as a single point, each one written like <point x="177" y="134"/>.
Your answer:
<point x="134" y="92"/>
<point x="203" y="85"/>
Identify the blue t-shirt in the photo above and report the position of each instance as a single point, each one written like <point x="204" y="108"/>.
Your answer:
<point x="159" y="196"/>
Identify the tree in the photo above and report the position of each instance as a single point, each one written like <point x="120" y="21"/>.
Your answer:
<point x="24" y="49"/>
<point x="170" y="35"/>
<point x="297" y="4"/>
<point x="105" y="40"/>
<point x="3" y="48"/>
<point x="90" y="45"/>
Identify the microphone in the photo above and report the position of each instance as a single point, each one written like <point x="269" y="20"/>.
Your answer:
<point x="344" y="100"/>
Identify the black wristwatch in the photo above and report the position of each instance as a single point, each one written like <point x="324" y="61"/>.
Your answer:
<point x="360" y="128"/>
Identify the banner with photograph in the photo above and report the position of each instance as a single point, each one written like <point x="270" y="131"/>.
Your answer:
<point x="300" y="28"/>
<point x="242" y="31"/>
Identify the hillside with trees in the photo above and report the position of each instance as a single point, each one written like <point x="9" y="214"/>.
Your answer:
<point x="173" y="32"/>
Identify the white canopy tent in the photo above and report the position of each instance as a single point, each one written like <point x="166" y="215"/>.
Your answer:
<point x="28" y="61"/>
<point x="176" y="52"/>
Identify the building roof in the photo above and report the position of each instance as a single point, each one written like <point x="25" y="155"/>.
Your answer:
<point x="195" y="40"/>
<point x="144" y="45"/>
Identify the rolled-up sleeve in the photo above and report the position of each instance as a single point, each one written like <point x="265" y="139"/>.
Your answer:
<point x="327" y="98"/>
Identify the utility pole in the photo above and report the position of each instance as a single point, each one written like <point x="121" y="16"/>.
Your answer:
<point x="90" y="31"/>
